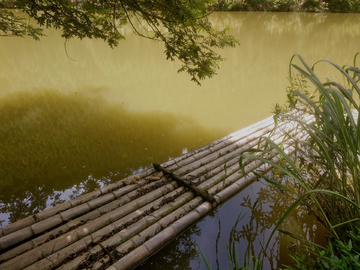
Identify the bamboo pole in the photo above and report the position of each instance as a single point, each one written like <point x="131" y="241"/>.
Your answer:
<point x="42" y="251"/>
<point x="125" y="263"/>
<point x="155" y="243"/>
<point x="125" y="193"/>
<point x="267" y="122"/>
<point x="186" y="183"/>
<point x="70" y="214"/>
<point x="135" y="216"/>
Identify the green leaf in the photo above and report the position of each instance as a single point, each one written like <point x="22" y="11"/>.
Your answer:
<point x="188" y="37"/>
<point x="326" y="265"/>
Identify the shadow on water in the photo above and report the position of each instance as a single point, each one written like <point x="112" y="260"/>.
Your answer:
<point x="178" y="255"/>
<point x="245" y="222"/>
<point x="56" y="146"/>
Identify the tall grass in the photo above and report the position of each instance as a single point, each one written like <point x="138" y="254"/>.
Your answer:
<point x="323" y="173"/>
<point x="325" y="167"/>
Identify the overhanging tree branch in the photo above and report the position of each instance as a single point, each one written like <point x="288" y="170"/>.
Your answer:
<point x="189" y="36"/>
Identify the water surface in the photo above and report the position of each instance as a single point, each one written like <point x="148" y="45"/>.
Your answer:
<point x="74" y="120"/>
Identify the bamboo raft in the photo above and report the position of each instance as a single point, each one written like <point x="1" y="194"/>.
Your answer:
<point x="120" y="225"/>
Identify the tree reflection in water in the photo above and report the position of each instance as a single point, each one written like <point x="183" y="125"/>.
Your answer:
<point x="182" y="252"/>
<point x="55" y="146"/>
<point x="245" y="222"/>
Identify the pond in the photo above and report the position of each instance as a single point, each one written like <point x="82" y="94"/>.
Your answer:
<point x="77" y="116"/>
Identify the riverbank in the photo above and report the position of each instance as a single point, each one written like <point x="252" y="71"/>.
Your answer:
<point x="331" y="6"/>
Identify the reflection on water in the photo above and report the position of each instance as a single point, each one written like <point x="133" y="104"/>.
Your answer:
<point x="52" y="141"/>
<point x="245" y="222"/>
<point x="177" y="255"/>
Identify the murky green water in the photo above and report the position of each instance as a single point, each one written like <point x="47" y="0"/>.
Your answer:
<point x="69" y="125"/>
<point x="244" y="223"/>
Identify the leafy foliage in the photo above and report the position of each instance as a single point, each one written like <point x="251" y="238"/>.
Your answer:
<point x="327" y="157"/>
<point x="182" y="26"/>
<point x="11" y="25"/>
<point x="338" y="255"/>
<point x="323" y="173"/>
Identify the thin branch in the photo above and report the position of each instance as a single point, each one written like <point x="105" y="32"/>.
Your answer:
<point x="67" y="52"/>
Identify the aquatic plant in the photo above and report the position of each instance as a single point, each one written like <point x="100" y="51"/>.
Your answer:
<point x="337" y="255"/>
<point x="323" y="173"/>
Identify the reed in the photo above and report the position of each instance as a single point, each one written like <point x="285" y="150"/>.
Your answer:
<point x="323" y="173"/>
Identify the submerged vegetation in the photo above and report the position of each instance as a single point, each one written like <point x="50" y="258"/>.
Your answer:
<point x="343" y="6"/>
<point x="323" y="174"/>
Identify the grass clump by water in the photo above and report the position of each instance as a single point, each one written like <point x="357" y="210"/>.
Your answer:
<point x="337" y="255"/>
<point x="324" y="173"/>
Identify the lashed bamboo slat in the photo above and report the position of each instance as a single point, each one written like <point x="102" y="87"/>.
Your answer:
<point x="122" y="224"/>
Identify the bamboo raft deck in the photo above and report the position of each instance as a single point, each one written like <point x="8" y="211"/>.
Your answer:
<point x="120" y="225"/>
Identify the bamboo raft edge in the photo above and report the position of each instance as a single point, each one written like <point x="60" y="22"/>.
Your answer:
<point x="141" y="214"/>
